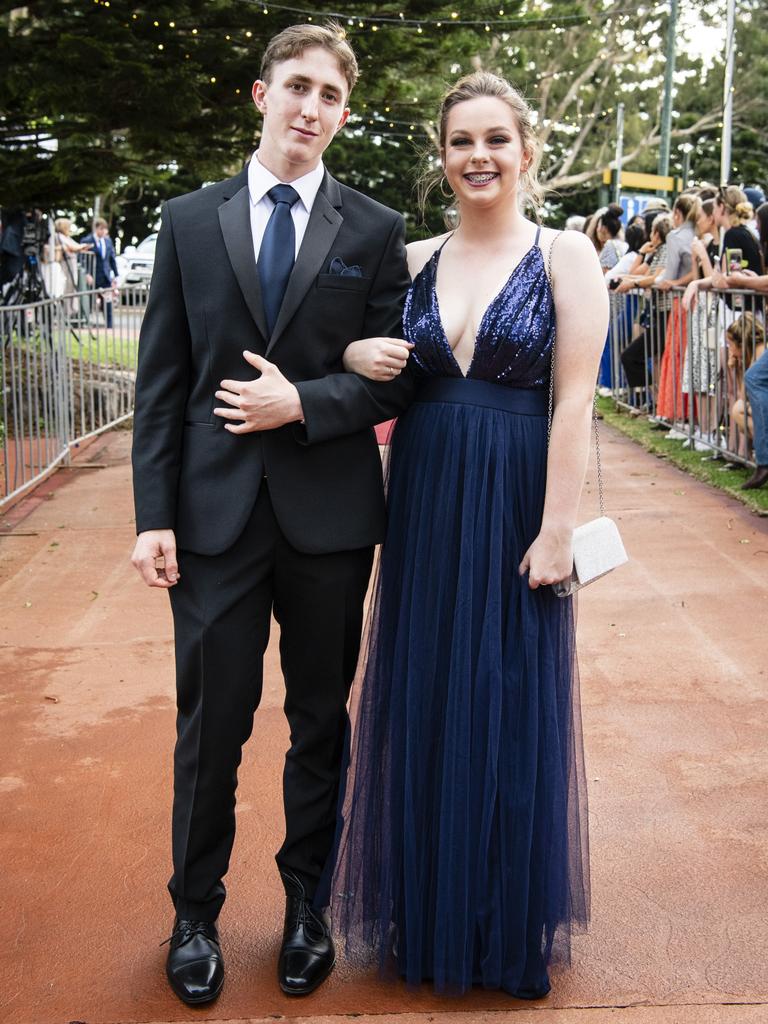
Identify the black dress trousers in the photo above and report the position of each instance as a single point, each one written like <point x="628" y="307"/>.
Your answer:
<point x="222" y="608"/>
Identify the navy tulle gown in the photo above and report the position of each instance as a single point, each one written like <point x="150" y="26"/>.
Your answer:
<point x="462" y="850"/>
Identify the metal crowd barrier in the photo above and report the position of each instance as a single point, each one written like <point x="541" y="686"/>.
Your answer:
<point x="68" y="373"/>
<point x="684" y="368"/>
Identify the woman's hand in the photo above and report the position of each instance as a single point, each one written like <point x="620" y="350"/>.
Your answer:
<point x="719" y="280"/>
<point x="377" y="358"/>
<point x="663" y="286"/>
<point x="549" y="559"/>
<point x="691" y="296"/>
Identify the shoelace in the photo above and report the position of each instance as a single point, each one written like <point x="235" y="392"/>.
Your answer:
<point x="187" y="930"/>
<point x="307" y="919"/>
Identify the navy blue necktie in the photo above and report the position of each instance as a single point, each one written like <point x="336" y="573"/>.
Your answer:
<point x="277" y="252"/>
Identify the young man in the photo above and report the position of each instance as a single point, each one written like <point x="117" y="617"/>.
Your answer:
<point x="106" y="265"/>
<point x="258" y="482"/>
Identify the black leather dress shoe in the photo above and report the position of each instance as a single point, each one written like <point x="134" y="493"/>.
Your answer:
<point x="195" y="966"/>
<point x="307" y="955"/>
<point x="758" y="478"/>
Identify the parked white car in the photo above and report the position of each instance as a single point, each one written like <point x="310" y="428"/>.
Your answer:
<point x="135" y="263"/>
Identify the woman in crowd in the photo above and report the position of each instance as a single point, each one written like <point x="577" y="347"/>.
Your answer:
<point x="609" y="235"/>
<point x="678" y="272"/>
<point x="701" y="358"/>
<point x="463" y="850"/>
<point x="612" y="248"/>
<point x="66" y="250"/>
<point x="624" y="307"/>
<point x="649" y="344"/>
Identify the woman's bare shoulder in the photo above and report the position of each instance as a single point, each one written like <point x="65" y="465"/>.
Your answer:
<point x="419" y="252"/>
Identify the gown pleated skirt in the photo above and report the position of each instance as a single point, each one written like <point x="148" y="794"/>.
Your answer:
<point x="461" y="853"/>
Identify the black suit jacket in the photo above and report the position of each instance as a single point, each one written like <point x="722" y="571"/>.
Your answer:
<point x="204" y="309"/>
<point x="104" y="264"/>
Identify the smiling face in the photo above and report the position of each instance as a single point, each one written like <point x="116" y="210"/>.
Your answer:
<point x="304" y="105"/>
<point x="483" y="156"/>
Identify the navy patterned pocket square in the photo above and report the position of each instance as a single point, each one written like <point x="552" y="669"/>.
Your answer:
<point x="338" y="266"/>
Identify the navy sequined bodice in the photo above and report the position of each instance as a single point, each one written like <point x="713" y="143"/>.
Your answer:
<point x="514" y="340"/>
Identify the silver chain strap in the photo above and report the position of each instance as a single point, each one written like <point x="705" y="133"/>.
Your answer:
<point x="552" y="396"/>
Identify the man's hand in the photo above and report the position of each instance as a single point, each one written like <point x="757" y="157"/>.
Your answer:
<point x="151" y="545"/>
<point x="267" y="402"/>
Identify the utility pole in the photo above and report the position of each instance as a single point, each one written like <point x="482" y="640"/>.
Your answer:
<point x="666" y="112"/>
<point x="725" y="139"/>
<point x="619" y="151"/>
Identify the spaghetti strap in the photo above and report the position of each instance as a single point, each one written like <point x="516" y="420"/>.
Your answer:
<point x="440" y="247"/>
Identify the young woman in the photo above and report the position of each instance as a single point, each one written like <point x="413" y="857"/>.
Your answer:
<point x="649" y="344"/>
<point x="678" y="272"/>
<point x="463" y="850"/>
<point x="701" y="356"/>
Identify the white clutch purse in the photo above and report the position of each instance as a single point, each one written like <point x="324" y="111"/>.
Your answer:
<point x="597" y="548"/>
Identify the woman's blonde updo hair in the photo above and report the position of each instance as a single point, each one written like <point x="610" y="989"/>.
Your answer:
<point x="735" y="202"/>
<point x="689" y="207"/>
<point x="475" y="86"/>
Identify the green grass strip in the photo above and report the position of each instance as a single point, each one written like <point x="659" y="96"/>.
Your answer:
<point x="696" y="464"/>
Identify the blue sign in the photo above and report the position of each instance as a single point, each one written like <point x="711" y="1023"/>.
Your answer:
<point x="633" y="203"/>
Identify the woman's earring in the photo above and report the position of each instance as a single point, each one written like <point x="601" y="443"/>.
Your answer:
<point x="443" y="193"/>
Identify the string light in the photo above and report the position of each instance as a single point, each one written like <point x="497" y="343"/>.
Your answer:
<point x="454" y="19"/>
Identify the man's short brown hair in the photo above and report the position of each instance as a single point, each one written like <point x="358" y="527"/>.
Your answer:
<point x="99" y="222"/>
<point x="295" y="39"/>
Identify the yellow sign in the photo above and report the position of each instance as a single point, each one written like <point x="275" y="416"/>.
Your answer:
<point x="650" y="182"/>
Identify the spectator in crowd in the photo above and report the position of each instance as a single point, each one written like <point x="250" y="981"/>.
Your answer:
<point x="68" y="248"/>
<point x="609" y="235"/>
<point x="678" y="272"/>
<point x="651" y="212"/>
<point x="590" y="229"/>
<point x="701" y="356"/>
<point x="612" y="248"/>
<point x="650" y="342"/>
<point x="105" y="277"/>
<point x="756" y="197"/>
<point x="575" y="222"/>
<point x="624" y="307"/>
<point x="746" y="344"/>
<point x="630" y="262"/>
<point x="733" y="212"/>
<point x="741" y="258"/>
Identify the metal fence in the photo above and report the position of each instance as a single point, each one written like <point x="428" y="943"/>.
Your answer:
<point x="684" y="368"/>
<point x="68" y="373"/>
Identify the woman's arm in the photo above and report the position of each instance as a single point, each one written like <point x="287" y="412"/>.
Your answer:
<point x="581" y="306"/>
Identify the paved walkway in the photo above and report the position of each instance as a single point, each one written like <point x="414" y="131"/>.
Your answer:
<point x="674" y="685"/>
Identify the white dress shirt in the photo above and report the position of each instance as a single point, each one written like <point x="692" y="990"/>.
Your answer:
<point x="260" y="181"/>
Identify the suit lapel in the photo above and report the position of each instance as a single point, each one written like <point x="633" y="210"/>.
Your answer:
<point x="324" y="223"/>
<point x="235" y="221"/>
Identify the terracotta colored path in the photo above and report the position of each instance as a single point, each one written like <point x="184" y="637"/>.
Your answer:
<point x="673" y="662"/>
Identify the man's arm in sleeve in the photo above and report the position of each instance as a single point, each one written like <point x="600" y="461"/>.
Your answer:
<point x="112" y="259"/>
<point x="161" y="390"/>
<point x="343" y="403"/>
